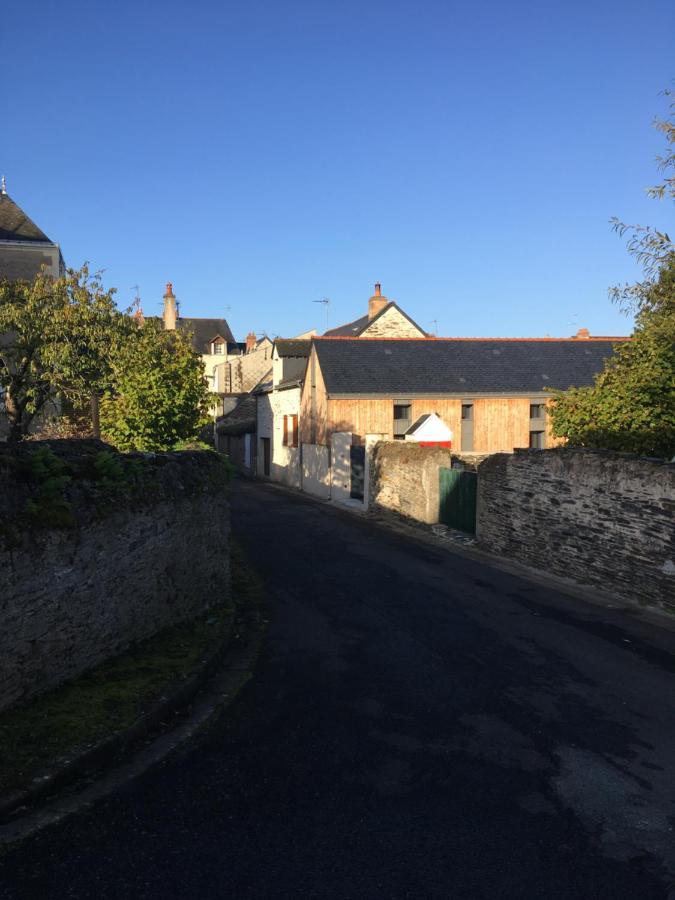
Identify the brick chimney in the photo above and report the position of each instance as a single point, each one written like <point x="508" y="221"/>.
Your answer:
<point x="582" y="334"/>
<point x="170" y="313"/>
<point x="251" y="340"/>
<point x="377" y="302"/>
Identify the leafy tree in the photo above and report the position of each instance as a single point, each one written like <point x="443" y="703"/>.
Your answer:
<point x="631" y="406"/>
<point x="158" y="395"/>
<point x="56" y="337"/>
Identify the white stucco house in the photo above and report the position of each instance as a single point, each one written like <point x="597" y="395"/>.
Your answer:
<point x="278" y="413"/>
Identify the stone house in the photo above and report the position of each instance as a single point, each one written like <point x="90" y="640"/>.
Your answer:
<point x="24" y="248"/>
<point x="383" y="319"/>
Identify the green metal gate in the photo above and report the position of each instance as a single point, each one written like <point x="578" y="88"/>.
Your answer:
<point x="458" y="499"/>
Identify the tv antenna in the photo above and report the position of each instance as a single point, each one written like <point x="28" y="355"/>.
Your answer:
<point x="136" y="302"/>
<point x="326" y="303"/>
<point x="434" y="322"/>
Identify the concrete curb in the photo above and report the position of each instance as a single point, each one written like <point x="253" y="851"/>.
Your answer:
<point x="220" y="686"/>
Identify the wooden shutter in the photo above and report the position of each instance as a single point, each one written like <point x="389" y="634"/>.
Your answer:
<point x="295" y="431"/>
<point x="285" y="431"/>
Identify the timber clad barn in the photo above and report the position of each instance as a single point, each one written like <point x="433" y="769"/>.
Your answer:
<point x="491" y="392"/>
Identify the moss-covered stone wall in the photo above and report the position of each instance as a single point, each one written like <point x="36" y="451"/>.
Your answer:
<point x="99" y="550"/>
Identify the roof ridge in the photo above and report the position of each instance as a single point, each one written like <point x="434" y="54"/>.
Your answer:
<point x="433" y="338"/>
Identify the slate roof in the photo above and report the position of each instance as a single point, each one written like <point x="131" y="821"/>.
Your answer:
<point x="358" y="326"/>
<point x="15" y="224"/>
<point x="293" y="347"/>
<point x="351" y="329"/>
<point x="205" y="330"/>
<point x="458" y="366"/>
<point x="242" y="419"/>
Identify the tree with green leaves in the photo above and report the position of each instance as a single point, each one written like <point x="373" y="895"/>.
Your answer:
<point x="56" y="339"/>
<point x="158" y="396"/>
<point x="631" y="406"/>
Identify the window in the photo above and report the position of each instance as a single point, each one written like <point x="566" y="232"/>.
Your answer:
<point x="218" y="347"/>
<point x="467" y="427"/>
<point x="537" y="440"/>
<point x="290" y="431"/>
<point x="536" y="410"/>
<point x="402" y="418"/>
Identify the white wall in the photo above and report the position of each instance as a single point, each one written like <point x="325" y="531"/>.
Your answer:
<point x="341" y="465"/>
<point x="284" y="460"/>
<point x="316" y="470"/>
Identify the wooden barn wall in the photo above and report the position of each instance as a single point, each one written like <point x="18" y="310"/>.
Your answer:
<point x="313" y="425"/>
<point x="501" y="423"/>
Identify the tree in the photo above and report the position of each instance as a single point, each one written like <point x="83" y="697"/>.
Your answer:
<point x="56" y="336"/>
<point x="631" y="406"/>
<point x="158" y="395"/>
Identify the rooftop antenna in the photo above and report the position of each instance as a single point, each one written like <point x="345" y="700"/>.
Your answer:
<point x="3" y="185"/>
<point x="434" y="322"/>
<point x="326" y="303"/>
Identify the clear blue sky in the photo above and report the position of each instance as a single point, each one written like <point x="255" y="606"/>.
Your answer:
<point x="263" y="155"/>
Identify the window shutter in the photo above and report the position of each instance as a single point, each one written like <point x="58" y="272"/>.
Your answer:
<point x="295" y="431"/>
<point x="285" y="431"/>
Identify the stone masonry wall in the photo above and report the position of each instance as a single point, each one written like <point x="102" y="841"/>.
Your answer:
<point x="392" y="324"/>
<point x="599" y="518"/>
<point x="404" y="477"/>
<point x="73" y="597"/>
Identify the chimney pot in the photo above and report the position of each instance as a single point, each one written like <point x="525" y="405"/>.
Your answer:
<point x="251" y="340"/>
<point x="582" y="334"/>
<point x="378" y="289"/>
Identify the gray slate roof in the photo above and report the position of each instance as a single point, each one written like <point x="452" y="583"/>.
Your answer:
<point x="205" y="330"/>
<point x="242" y="419"/>
<point x="15" y="224"/>
<point x="455" y="366"/>
<point x="358" y="326"/>
<point x="293" y="347"/>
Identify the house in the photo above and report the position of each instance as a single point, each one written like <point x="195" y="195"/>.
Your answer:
<point x="491" y="393"/>
<point x="241" y="372"/>
<point x="24" y="248"/>
<point x="211" y="338"/>
<point x="235" y="433"/>
<point x="278" y="413"/>
<point x="383" y="319"/>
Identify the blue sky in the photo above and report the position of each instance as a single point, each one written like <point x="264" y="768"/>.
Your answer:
<point x="264" y="155"/>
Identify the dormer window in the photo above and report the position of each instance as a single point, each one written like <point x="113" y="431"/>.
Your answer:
<point x="218" y="347"/>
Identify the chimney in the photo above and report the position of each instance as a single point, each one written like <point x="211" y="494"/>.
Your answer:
<point x="251" y="340"/>
<point x="377" y="302"/>
<point x="582" y="334"/>
<point x="170" y="313"/>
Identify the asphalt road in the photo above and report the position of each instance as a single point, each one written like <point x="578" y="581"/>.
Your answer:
<point x="420" y="726"/>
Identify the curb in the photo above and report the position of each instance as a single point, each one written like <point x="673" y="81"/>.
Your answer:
<point x="18" y="821"/>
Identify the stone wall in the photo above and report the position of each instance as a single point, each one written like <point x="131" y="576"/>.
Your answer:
<point x="126" y="567"/>
<point x="392" y="324"/>
<point x="599" y="518"/>
<point x="404" y="477"/>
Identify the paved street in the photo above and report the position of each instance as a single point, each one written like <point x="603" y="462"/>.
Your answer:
<point x="419" y="726"/>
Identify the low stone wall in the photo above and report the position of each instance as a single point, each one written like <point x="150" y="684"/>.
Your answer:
<point x="599" y="518"/>
<point x="143" y="546"/>
<point x="404" y="477"/>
